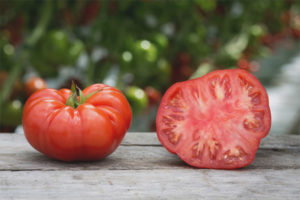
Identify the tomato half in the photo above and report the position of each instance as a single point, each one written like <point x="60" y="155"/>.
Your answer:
<point x="215" y="121"/>
<point x="91" y="131"/>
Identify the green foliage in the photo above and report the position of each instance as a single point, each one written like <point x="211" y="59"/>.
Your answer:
<point x="138" y="42"/>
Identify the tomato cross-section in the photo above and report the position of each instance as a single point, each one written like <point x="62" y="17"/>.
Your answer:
<point x="216" y="121"/>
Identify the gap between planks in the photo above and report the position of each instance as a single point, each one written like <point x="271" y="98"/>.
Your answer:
<point x="140" y="151"/>
<point x="150" y="139"/>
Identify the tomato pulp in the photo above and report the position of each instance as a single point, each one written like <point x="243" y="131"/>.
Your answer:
<point x="91" y="131"/>
<point x="215" y="121"/>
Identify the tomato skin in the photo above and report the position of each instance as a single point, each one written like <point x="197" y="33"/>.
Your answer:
<point x="224" y="131"/>
<point x="92" y="131"/>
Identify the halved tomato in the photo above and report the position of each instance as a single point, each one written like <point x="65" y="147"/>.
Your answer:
<point x="216" y="121"/>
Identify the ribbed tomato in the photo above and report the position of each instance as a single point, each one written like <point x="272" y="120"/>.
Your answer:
<point x="89" y="131"/>
<point x="215" y="121"/>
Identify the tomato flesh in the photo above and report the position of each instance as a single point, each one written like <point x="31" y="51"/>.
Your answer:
<point x="216" y="121"/>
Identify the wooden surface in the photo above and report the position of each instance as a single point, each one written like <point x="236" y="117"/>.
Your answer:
<point x="142" y="169"/>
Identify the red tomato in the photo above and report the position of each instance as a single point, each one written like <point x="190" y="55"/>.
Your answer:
<point x="153" y="95"/>
<point x="34" y="84"/>
<point x="216" y="121"/>
<point x="92" y="131"/>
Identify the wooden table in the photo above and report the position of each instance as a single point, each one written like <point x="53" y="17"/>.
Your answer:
<point x="142" y="169"/>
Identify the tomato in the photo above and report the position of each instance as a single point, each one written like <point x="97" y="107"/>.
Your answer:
<point x="153" y="95"/>
<point x="137" y="98"/>
<point x="89" y="131"/>
<point x="215" y="121"/>
<point x="54" y="46"/>
<point x="34" y="84"/>
<point x="145" y="51"/>
<point x="50" y="53"/>
<point x="55" y="49"/>
<point x="11" y="113"/>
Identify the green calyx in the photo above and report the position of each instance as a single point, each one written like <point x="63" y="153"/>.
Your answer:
<point x="73" y="98"/>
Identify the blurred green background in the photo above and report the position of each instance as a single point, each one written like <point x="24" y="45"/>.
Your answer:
<point x="140" y="47"/>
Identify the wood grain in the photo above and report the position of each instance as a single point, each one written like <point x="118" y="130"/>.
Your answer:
<point x="151" y="184"/>
<point x="142" y="169"/>
<point x="150" y="139"/>
<point x="140" y="151"/>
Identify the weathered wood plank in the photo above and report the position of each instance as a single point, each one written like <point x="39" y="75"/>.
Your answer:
<point x="140" y="151"/>
<point x="131" y="138"/>
<point x="271" y="141"/>
<point x="150" y="139"/>
<point x="130" y="158"/>
<point x="151" y="184"/>
<point x="280" y="142"/>
<point x="142" y="169"/>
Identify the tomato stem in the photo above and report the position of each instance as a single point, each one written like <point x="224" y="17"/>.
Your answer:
<point x="74" y="100"/>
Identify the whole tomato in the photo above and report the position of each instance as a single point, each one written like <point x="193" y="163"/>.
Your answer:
<point x="34" y="84"/>
<point x="70" y="128"/>
<point x="137" y="99"/>
<point x="11" y="113"/>
<point x="54" y="46"/>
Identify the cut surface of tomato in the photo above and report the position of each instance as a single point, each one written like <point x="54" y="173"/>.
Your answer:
<point x="215" y="121"/>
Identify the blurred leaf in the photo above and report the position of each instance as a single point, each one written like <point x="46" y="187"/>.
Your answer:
<point x="206" y="5"/>
<point x="202" y="70"/>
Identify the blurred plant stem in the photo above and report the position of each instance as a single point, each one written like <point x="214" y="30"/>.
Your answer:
<point x="22" y="57"/>
<point x="90" y="75"/>
<point x="91" y="70"/>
